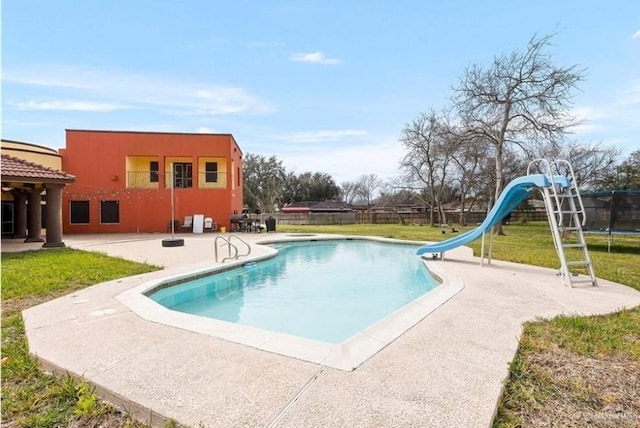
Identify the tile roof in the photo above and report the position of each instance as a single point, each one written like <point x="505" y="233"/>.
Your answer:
<point x="330" y="206"/>
<point x="16" y="168"/>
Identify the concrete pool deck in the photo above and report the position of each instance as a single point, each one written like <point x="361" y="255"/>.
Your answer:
<point x="447" y="370"/>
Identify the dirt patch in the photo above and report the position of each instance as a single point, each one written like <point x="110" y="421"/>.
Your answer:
<point x="11" y="305"/>
<point x="581" y="391"/>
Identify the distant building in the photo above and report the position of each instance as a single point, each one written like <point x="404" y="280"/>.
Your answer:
<point x="305" y="207"/>
<point x="406" y="205"/>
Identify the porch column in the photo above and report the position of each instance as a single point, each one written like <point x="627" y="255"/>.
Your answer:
<point x="34" y="229"/>
<point x="53" y="216"/>
<point x="20" y="214"/>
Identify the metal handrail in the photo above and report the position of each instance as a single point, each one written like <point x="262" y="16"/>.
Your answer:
<point x="227" y="241"/>
<point x="229" y="245"/>
<point x="233" y="236"/>
<point x="549" y="174"/>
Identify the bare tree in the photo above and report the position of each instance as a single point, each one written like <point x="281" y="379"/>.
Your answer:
<point x="467" y="161"/>
<point x="396" y="193"/>
<point x="367" y="184"/>
<point x="349" y="191"/>
<point x="590" y="162"/>
<point x="522" y="99"/>
<point x="430" y="146"/>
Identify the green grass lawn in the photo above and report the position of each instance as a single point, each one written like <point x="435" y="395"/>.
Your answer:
<point x="568" y="371"/>
<point x="31" y="398"/>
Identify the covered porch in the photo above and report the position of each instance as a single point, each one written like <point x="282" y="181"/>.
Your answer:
<point x="30" y="192"/>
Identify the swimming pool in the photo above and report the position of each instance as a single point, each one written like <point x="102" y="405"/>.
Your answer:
<point x="346" y="355"/>
<point x="322" y="290"/>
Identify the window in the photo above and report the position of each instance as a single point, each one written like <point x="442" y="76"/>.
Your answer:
<point x="79" y="212"/>
<point x="154" y="167"/>
<point x="109" y="212"/>
<point x="238" y="176"/>
<point x="7" y="218"/>
<point x="211" y="172"/>
<point x="182" y="175"/>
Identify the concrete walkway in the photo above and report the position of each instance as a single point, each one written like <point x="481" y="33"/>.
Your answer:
<point x="448" y="370"/>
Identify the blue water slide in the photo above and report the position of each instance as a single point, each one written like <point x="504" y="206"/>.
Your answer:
<point x="513" y="195"/>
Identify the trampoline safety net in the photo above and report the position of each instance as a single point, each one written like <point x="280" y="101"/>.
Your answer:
<point x="612" y="211"/>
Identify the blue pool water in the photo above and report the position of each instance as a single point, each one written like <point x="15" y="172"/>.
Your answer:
<point x="323" y="290"/>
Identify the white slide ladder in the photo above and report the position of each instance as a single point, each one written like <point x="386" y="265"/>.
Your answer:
<point x="566" y="216"/>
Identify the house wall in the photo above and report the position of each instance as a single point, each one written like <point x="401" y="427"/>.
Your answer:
<point x="115" y="166"/>
<point x="41" y="155"/>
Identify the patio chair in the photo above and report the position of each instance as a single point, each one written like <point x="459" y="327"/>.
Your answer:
<point x="187" y="224"/>
<point x="210" y="225"/>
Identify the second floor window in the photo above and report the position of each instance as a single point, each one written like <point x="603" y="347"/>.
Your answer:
<point x="153" y="171"/>
<point x="211" y="172"/>
<point x="182" y="175"/>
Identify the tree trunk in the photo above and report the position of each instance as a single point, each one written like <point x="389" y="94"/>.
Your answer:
<point x="463" y="198"/>
<point x="497" y="229"/>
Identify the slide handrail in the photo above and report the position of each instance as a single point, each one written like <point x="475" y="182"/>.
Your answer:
<point x="548" y="171"/>
<point x="572" y="179"/>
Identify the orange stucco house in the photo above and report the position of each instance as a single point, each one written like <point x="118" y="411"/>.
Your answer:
<point x="125" y="180"/>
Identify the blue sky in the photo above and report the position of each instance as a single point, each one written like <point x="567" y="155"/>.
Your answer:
<point x="323" y="85"/>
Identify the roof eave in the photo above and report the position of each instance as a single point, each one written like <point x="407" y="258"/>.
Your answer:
<point x="36" y="180"/>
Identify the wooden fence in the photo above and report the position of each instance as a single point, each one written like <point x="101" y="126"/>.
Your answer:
<point x="354" y="217"/>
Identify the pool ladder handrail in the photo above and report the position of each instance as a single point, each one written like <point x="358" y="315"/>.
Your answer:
<point x="227" y="241"/>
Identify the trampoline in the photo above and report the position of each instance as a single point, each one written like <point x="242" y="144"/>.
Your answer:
<point x="614" y="212"/>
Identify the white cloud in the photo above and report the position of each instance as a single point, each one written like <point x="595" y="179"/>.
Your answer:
<point x="345" y="160"/>
<point x="314" y="58"/>
<point x="117" y="87"/>
<point x="347" y="163"/>
<point x="318" y="136"/>
<point x="591" y="119"/>
<point x="57" y="77"/>
<point x="590" y="113"/>
<point x="636" y="35"/>
<point x="67" y="105"/>
<point x="205" y="130"/>
<point x="224" y="100"/>
<point x="631" y="95"/>
<point x="613" y="121"/>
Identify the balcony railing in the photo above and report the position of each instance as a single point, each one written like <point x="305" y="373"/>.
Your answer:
<point x="151" y="180"/>
<point x="142" y="180"/>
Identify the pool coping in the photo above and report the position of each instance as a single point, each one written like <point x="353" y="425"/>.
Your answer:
<point x="346" y="356"/>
